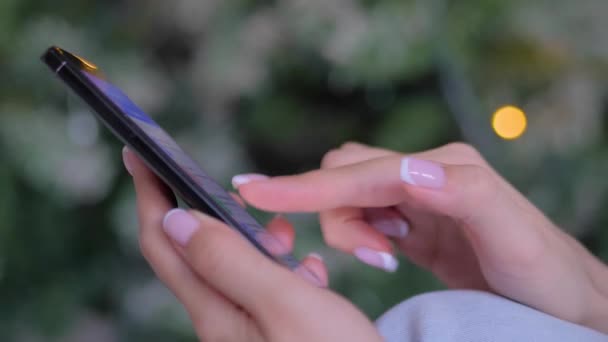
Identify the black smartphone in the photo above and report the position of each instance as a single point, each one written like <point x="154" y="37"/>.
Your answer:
<point x="159" y="151"/>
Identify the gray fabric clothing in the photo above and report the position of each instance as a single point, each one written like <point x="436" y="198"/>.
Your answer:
<point x="475" y="316"/>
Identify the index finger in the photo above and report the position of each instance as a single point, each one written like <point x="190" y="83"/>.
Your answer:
<point x="372" y="183"/>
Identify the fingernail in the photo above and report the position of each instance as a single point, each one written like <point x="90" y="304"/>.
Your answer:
<point x="180" y="225"/>
<point x="126" y="161"/>
<point x="422" y="173"/>
<point x="374" y="258"/>
<point x="272" y="244"/>
<point x="391" y="227"/>
<point x="316" y="256"/>
<point x="309" y="276"/>
<point x="239" y="180"/>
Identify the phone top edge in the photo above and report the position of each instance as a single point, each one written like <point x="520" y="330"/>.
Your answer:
<point x="56" y="58"/>
<point x="51" y="58"/>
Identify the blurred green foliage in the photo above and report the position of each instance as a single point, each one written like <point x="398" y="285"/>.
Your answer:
<point x="270" y="87"/>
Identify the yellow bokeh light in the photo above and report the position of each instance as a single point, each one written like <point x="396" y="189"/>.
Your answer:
<point x="509" y="122"/>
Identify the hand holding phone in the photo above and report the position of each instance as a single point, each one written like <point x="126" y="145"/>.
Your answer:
<point x="232" y="292"/>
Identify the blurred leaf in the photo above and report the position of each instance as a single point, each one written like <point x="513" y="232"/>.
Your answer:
<point x="413" y="125"/>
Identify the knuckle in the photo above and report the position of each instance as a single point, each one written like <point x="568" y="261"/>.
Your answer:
<point x="349" y="145"/>
<point x="335" y="240"/>
<point x="480" y="183"/>
<point x="467" y="151"/>
<point x="210" y="254"/>
<point x="330" y="158"/>
<point x="332" y="240"/>
<point x="330" y="236"/>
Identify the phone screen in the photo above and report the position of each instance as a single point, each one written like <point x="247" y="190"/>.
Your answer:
<point x="173" y="151"/>
<point x="146" y="138"/>
<point x="162" y="139"/>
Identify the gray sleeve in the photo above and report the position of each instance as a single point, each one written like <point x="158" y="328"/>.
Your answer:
<point x="467" y="316"/>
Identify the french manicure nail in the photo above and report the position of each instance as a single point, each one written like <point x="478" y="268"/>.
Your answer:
<point x="391" y="226"/>
<point x="422" y="173"/>
<point x="316" y="256"/>
<point x="378" y="259"/>
<point x="239" y="180"/>
<point x="126" y="161"/>
<point x="180" y="225"/>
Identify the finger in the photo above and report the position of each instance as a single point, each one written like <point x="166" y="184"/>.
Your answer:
<point x="279" y="235"/>
<point x="351" y="153"/>
<point x="372" y="183"/>
<point x="283" y="231"/>
<point x="495" y="223"/>
<point x="387" y="221"/>
<point x="348" y="153"/>
<point x="347" y="228"/>
<point x="452" y="190"/>
<point x="238" y="199"/>
<point x="309" y="191"/>
<point x="152" y="203"/>
<point x="227" y="262"/>
<point x="315" y="264"/>
<point x="514" y="242"/>
<point x="208" y="309"/>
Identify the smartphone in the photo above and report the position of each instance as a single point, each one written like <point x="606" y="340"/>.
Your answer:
<point x="160" y="152"/>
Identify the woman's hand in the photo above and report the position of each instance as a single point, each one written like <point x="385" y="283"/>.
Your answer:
<point x="450" y="212"/>
<point x="231" y="291"/>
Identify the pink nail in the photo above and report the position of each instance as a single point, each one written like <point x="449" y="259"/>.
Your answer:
<point x="391" y="227"/>
<point x="422" y="173"/>
<point x="316" y="256"/>
<point x="243" y="179"/>
<point x="126" y="161"/>
<point x="308" y="275"/>
<point x="180" y="225"/>
<point x="271" y="243"/>
<point x="374" y="258"/>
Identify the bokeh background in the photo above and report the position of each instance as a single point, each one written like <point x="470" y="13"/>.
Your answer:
<point x="270" y="86"/>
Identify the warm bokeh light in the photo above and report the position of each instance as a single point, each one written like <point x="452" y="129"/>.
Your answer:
<point x="87" y="64"/>
<point x="509" y="122"/>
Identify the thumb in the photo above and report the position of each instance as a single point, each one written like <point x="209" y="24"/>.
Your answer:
<point x="229" y="264"/>
<point x="492" y="212"/>
<point x="522" y="254"/>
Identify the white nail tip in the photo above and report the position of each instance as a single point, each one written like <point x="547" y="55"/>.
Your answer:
<point x="404" y="228"/>
<point x="389" y="262"/>
<point x="239" y="180"/>
<point x="169" y="213"/>
<point x="405" y="171"/>
<point x="392" y="227"/>
<point x="316" y="256"/>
